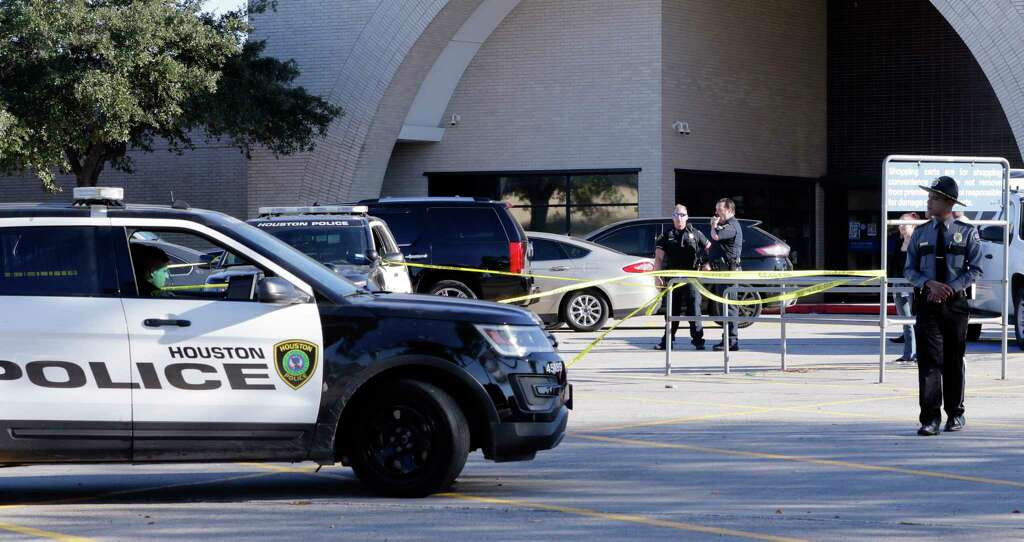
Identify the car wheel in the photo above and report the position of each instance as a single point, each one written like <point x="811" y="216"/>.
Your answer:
<point x="1018" y="317"/>
<point x="751" y="311"/>
<point x="452" y="288"/>
<point x="585" y="311"/>
<point x="973" y="332"/>
<point x="410" y="440"/>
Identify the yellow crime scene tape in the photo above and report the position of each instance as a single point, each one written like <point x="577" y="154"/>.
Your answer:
<point x="652" y="305"/>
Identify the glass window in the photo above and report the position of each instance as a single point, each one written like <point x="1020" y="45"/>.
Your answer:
<point x="637" y="240"/>
<point x="465" y="225"/>
<point x="385" y="244"/>
<point x="545" y="250"/>
<point x="403" y="223"/>
<point x="588" y="219"/>
<point x="543" y="219"/>
<point x="57" y="261"/>
<point x="574" y="252"/>
<point x="335" y="245"/>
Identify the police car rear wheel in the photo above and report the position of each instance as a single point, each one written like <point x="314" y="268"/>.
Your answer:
<point x="1018" y="316"/>
<point x="412" y="440"/>
<point x="585" y="311"/>
<point x="452" y="288"/>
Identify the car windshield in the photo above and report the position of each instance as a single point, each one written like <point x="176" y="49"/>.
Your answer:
<point x="288" y="256"/>
<point x="336" y="245"/>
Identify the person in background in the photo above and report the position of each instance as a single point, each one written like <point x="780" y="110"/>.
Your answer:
<point x="727" y="245"/>
<point x="685" y="248"/>
<point x="903" y="300"/>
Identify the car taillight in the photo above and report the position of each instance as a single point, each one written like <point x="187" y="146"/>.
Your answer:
<point x="639" y="267"/>
<point x="516" y="256"/>
<point x="778" y="249"/>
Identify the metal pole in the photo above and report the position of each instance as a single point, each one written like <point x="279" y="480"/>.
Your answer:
<point x="883" y="303"/>
<point x="1006" y="264"/>
<point x="725" y="334"/>
<point x="668" y="331"/>
<point x="782" y="319"/>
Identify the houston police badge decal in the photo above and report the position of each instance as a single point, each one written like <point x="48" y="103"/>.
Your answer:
<point x="295" y="361"/>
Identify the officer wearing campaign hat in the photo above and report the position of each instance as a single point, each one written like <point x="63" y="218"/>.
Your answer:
<point x="943" y="261"/>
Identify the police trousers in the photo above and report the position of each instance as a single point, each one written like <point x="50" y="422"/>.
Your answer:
<point x="689" y="297"/>
<point x="941" y="342"/>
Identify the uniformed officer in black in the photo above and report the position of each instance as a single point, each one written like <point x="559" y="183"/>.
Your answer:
<point x="683" y="247"/>
<point x="943" y="261"/>
<point x="727" y="245"/>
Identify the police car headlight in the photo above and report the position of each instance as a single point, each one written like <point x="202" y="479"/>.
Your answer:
<point x="515" y="341"/>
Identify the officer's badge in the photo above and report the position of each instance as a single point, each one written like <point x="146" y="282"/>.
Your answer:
<point x="295" y="361"/>
<point x="935" y="182"/>
<point x="958" y="237"/>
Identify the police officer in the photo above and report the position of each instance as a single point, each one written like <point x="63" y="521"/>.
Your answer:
<point x="943" y="260"/>
<point x="683" y="247"/>
<point x="727" y="238"/>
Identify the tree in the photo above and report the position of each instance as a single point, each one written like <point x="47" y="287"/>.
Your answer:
<point x="82" y="82"/>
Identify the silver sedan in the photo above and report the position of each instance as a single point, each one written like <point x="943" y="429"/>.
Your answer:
<point x="587" y="310"/>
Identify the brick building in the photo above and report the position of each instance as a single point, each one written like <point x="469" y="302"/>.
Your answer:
<point x="582" y="112"/>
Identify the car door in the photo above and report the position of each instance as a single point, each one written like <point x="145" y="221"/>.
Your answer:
<point x="65" y="391"/>
<point x="395" y="277"/>
<point x="550" y="260"/>
<point x="220" y="375"/>
<point x="988" y="295"/>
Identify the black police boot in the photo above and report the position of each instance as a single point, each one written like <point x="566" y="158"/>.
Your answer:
<point x="732" y="347"/>
<point x="956" y="423"/>
<point x="661" y="345"/>
<point x="698" y="344"/>
<point x="930" y="429"/>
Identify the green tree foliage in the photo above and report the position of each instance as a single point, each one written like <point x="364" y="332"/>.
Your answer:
<point x="82" y="82"/>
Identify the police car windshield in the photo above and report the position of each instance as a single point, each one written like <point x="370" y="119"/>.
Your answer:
<point x="335" y="245"/>
<point x="289" y="256"/>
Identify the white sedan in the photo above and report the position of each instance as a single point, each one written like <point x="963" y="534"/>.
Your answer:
<point x="587" y="310"/>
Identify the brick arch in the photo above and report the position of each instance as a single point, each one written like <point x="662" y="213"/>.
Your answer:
<point x="993" y="30"/>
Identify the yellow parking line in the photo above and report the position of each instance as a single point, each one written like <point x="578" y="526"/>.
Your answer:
<point x="624" y="518"/>
<point x="802" y="459"/>
<point x="39" y="533"/>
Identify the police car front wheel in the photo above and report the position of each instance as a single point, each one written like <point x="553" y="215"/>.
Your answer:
<point x="411" y="440"/>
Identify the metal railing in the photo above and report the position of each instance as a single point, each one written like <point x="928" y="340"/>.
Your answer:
<point x="778" y="286"/>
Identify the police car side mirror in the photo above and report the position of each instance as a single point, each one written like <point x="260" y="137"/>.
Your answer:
<point x="992" y="233"/>
<point x="279" y="291"/>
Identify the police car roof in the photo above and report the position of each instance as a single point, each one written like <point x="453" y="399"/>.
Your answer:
<point x="132" y="210"/>
<point x="312" y="217"/>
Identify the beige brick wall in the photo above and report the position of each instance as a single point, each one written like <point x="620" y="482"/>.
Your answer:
<point x="558" y="85"/>
<point x="750" y="80"/>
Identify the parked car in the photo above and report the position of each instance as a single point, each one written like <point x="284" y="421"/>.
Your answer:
<point x="762" y="251"/>
<point x="459" y="232"/>
<point x="988" y="299"/>
<point x="589" y="309"/>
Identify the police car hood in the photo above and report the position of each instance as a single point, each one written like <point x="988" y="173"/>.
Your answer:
<point x="430" y="307"/>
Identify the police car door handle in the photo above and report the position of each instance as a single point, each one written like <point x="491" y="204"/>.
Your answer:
<point x="558" y="268"/>
<point x="416" y="257"/>
<point x="988" y="256"/>
<point x="156" y="322"/>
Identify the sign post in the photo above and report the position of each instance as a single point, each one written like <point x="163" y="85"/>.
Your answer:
<point x="984" y="187"/>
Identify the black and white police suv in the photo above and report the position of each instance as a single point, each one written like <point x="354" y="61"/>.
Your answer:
<point x="103" y="361"/>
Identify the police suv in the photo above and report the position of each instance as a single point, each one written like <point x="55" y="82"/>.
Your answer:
<point x="342" y="237"/>
<point x="103" y="361"/>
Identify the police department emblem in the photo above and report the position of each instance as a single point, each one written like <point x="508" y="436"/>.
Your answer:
<point x="295" y="361"/>
<point x="935" y="182"/>
<point x="958" y="237"/>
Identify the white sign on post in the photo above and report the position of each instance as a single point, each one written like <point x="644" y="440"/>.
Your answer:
<point x="980" y="184"/>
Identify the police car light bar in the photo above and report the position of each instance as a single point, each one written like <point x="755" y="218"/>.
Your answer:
<point x="315" y="210"/>
<point x="85" y="194"/>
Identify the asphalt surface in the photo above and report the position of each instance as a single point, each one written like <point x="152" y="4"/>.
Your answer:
<point x="820" y="452"/>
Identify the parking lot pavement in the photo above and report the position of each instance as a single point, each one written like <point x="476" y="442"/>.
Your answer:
<point x="819" y="452"/>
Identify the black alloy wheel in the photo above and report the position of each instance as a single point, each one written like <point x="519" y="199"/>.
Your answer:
<point x="410" y="440"/>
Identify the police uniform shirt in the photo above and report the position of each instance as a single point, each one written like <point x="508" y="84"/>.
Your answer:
<point x="963" y="254"/>
<point x="684" y="249"/>
<point x="730" y="241"/>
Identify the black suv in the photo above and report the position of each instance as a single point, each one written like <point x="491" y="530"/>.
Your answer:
<point x="458" y="232"/>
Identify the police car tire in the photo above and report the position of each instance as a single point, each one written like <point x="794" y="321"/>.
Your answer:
<point x="440" y="429"/>
<point x="1018" y="315"/>
<point x="452" y="286"/>
<point x="585" y="299"/>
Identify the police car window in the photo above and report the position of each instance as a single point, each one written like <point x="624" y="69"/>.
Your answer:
<point x="465" y="225"/>
<point x="57" y="261"/>
<point x="545" y="250"/>
<point x="574" y="252"/>
<point x="338" y="242"/>
<point x="219" y="274"/>
<point x="385" y="243"/>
